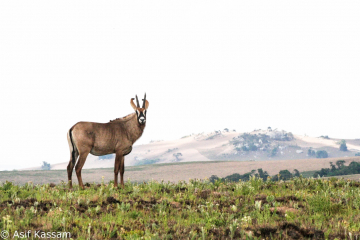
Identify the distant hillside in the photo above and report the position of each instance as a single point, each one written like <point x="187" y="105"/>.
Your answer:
<point x="258" y="145"/>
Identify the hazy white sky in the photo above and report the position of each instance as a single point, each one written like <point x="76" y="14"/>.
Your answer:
<point x="205" y="65"/>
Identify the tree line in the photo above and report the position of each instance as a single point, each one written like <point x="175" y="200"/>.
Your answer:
<point x="336" y="169"/>
<point x="282" y="175"/>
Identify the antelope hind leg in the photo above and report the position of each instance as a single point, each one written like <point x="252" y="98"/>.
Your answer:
<point x="71" y="166"/>
<point x="79" y="166"/>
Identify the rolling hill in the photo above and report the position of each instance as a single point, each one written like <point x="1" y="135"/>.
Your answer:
<point x="226" y="145"/>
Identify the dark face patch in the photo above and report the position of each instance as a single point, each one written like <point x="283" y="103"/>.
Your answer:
<point x="141" y="115"/>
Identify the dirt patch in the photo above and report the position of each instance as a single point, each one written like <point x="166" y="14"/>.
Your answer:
<point x="165" y="190"/>
<point x="289" y="231"/>
<point x="354" y="184"/>
<point x="82" y="208"/>
<point x="216" y="194"/>
<point x="175" y="205"/>
<point x="283" y="210"/>
<point x="180" y="189"/>
<point x="204" y="194"/>
<point x="42" y="206"/>
<point x="286" y="199"/>
<point x="111" y="200"/>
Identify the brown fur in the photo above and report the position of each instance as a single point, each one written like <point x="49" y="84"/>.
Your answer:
<point x="99" y="139"/>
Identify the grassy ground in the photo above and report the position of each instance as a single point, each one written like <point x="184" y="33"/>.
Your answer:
<point x="297" y="209"/>
<point x="136" y="173"/>
<point x="354" y="177"/>
<point x="167" y="171"/>
<point x="308" y="174"/>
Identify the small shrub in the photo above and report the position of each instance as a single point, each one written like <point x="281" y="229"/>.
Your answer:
<point x="274" y="152"/>
<point x="343" y="147"/>
<point x="321" y="154"/>
<point x="311" y="152"/>
<point x="252" y="147"/>
<point x="213" y="178"/>
<point x="290" y="136"/>
<point x="45" y="166"/>
<point x="283" y="175"/>
<point x="177" y="156"/>
<point x="244" y="148"/>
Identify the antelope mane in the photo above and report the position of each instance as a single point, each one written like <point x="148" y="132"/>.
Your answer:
<point x="124" y="119"/>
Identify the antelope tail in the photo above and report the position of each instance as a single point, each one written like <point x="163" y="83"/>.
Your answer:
<point x="72" y="147"/>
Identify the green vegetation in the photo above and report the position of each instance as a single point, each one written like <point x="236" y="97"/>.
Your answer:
<point x="274" y="152"/>
<point x="186" y="136"/>
<point x="252" y="147"/>
<point x="317" y="154"/>
<point x="45" y="166"/>
<point x="250" y="139"/>
<point x="296" y="209"/>
<point x="311" y="152"/>
<point x="307" y="174"/>
<point x="321" y="154"/>
<point x="343" y="146"/>
<point x="283" y="175"/>
<point x="177" y="156"/>
<point x="171" y="150"/>
<point x="294" y="146"/>
<point x="290" y="136"/>
<point x="341" y="169"/>
<point x="357" y="154"/>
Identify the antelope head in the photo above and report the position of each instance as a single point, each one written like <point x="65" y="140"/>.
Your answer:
<point x="140" y="111"/>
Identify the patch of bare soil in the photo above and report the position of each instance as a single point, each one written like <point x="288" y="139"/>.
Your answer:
<point x="286" y="230"/>
<point x="42" y="207"/>
<point x="283" y="210"/>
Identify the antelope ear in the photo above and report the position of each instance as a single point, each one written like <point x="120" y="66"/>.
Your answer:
<point x="133" y="104"/>
<point x="146" y="104"/>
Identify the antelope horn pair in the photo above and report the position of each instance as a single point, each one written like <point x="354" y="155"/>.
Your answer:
<point x="137" y="102"/>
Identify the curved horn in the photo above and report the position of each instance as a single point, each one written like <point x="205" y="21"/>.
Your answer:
<point x="144" y="100"/>
<point x="137" y="101"/>
<point x="133" y="104"/>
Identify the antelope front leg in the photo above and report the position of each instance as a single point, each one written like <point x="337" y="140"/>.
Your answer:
<point x="122" y="170"/>
<point x="116" y="169"/>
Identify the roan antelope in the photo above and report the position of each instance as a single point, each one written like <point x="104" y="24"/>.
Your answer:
<point x="99" y="139"/>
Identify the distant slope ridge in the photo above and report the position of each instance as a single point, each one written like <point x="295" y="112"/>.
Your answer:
<point x="258" y="145"/>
